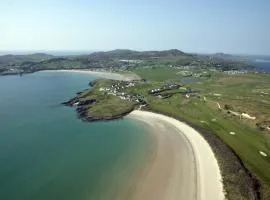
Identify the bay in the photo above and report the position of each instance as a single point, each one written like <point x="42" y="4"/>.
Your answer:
<point x="47" y="153"/>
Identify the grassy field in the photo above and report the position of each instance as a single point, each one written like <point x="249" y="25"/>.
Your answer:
<point x="107" y="105"/>
<point x="157" y="73"/>
<point x="110" y="106"/>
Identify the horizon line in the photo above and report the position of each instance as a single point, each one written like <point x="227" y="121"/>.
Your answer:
<point x="26" y="52"/>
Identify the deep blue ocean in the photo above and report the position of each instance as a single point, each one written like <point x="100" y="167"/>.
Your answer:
<point x="262" y="66"/>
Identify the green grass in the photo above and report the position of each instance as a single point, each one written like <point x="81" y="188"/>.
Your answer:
<point x="247" y="142"/>
<point x="110" y="106"/>
<point x="107" y="105"/>
<point x="157" y="74"/>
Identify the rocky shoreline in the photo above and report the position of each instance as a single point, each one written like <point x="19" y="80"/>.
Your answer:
<point x="83" y="111"/>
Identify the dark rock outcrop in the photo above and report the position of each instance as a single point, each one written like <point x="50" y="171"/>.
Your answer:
<point x="71" y="102"/>
<point x="87" y="102"/>
<point x="92" y="83"/>
<point x="82" y="112"/>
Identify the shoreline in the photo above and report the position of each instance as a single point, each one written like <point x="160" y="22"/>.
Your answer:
<point x="198" y="177"/>
<point x="248" y="183"/>
<point x="100" y="74"/>
<point x="154" y="129"/>
<point x="183" y="164"/>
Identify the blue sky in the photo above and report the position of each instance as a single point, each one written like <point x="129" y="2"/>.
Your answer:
<point x="229" y="26"/>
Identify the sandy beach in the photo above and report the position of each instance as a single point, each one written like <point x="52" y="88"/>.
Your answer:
<point x="183" y="165"/>
<point x="101" y="74"/>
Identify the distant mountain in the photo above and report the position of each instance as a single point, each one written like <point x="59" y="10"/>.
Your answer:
<point x="231" y="57"/>
<point x="10" y="59"/>
<point x="113" y="60"/>
<point x="130" y="54"/>
<point x="222" y="55"/>
<point x="166" y="53"/>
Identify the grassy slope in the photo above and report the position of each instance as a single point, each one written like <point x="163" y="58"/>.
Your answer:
<point x="107" y="105"/>
<point x="157" y="74"/>
<point x="110" y="106"/>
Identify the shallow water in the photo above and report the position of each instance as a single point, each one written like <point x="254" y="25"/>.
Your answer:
<point x="47" y="153"/>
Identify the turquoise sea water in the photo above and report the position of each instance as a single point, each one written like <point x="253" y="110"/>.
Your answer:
<point x="47" y="153"/>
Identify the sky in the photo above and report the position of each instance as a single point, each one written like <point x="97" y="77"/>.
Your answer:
<point x="202" y="26"/>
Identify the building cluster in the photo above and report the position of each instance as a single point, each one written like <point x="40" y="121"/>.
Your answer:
<point x="117" y="90"/>
<point x="131" y="61"/>
<point x="236" y="72"/>
<point x="194" y="75"/>
<point x="165" y="88"/>
<point x="166" y="91"/>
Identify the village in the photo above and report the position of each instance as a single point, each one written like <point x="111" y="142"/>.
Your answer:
<point x="118" y="89"/>
<point x="124" y="90"/>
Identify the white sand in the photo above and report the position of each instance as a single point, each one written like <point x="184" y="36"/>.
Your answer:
<point x="245" y="115"/>
<point x="219" y="107"/>
<point x="263" y="153"/>
<point x="101" y="74"/>
<point x="184" y="166"/>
